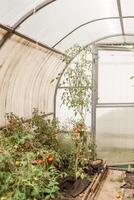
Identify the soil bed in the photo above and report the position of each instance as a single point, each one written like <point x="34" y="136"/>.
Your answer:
<point x="81" y="189"/>
<point x="108" y="184"/>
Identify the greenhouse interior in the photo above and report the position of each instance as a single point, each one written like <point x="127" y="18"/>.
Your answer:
<point x="66" y="100"/>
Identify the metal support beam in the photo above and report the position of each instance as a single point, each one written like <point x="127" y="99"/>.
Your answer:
<point x="5" y="37"/>
<point x="114" y="48"/>
<point x="29" y="39"/>
<point x="115" y="45"/>
<point x="120" y="15"/>
<point x="115" y="105"/>
<point x="47" y="115"/>
<point x="94" y="91"/>
<point x="57" y="87"/>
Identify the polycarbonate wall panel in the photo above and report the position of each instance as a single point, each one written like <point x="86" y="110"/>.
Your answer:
<point x="12" y="10"/>
<point x="91" y="32"/>
<point x="114" y="83"/>
<point x="26" y="75"/>
<point x="53" y="22"/>
<point x="115" y="134"/>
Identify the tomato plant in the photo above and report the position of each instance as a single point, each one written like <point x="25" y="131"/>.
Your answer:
<point x="77" y="94"/>
<point x="27" y="159"/>
<point x="78" y="79"/>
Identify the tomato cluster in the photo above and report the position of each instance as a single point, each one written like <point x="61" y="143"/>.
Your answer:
<point x="50" y="160"/>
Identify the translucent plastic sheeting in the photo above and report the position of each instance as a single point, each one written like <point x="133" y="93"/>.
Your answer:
<point x="114" y="73"/>
<point x="128" y="25"/>
<point x="127" y="7"/>
<point x="65" y="115"/>
<point x="91" y="33"/>
<point x="53" y="22"/>
<point x="61" y="18"/>
<point x="26" y="75"/>
<point x="12" y="10"/>
<point x="115" y="134"/>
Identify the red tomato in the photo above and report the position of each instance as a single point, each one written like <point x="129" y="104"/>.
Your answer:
<point x="50" y="159"/>
<point x="40" y="162"/>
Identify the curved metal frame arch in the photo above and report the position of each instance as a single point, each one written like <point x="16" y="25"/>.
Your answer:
<point x="89" y="22"/>
<point x="31" y="12"/>
<point x="120" y="17"/>
<point x="82" y="25"/>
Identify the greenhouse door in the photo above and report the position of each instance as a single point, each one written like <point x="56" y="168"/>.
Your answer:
<point x="115" y="105"/>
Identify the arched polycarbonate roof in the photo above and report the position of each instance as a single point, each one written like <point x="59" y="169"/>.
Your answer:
<point x="33" y="37"/>
<point x="61" y="23"/>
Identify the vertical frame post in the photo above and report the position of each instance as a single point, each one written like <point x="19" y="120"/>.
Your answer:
<point x="94" y="92"/>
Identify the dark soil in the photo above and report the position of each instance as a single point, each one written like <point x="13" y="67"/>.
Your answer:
<point x="129" y="180"/>
<point x="71" y="188"/>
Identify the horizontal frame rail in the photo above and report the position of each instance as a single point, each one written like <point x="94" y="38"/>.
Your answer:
<point x="29" y="39"/>
<point x="114" y="105"/>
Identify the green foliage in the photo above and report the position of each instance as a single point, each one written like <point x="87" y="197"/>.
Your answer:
<point x="27" y="159"/>
<point x="77" y="77"/>
<point x="32" y="160"/>
<point x="51" y="130"/>
<point x="77" y="96"/>
<point x="83" y="148"/>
